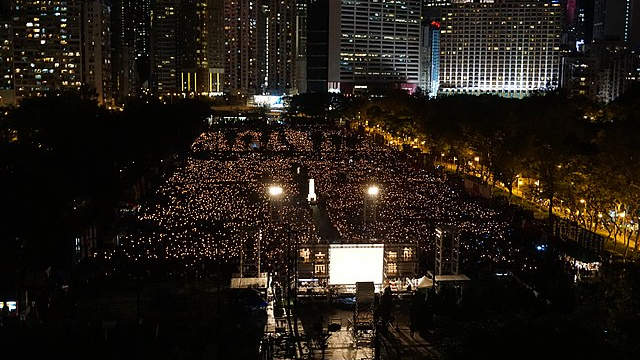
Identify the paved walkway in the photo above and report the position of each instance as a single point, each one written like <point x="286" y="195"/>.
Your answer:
<point x="397" y="344"/>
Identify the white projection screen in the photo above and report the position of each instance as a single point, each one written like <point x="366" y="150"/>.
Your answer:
<point x="349" y="264"/>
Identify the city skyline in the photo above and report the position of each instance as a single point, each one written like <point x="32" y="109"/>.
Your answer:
<point x="193" y="48"/>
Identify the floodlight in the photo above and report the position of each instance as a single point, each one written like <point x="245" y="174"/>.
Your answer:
<point x="275" y="190"/>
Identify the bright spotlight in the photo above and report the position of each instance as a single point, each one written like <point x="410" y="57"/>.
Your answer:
<point x="275" y="190"/>
<point x="373" y="190"/>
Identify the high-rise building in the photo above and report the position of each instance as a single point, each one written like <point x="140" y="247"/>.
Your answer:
<point x="216" y="45"/>
<point x="615" y="64"/>
<point x="431" y="57"/>
<point x="131" y="41"/>
<point x="300" y="45"/>
<point x="164" y="47"/>
<point x="207" y="47"/>
<point x="278" y="33"/>
<point x="506" y="47"/>
<point x="188" y="47"/>
<point x="579" y="75"/>
<point x="47" y="46"/>
<point x="192" y="47"/>
<point x="570" y="33"/>
<point x="96" y="55"/>
<point x="584" y="23"/>
<point x="604" y="66"/>
<point x="616" y="20"/>
<point x="7" y="93"/>
<point x="374" y="44"/>
<point x="317" y="48"/>
<point x="242" y="52"/>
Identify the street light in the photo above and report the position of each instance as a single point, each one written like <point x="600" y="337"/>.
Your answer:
<point x="275" y="198"/>
<point x="275" y="190"/>
<point x="372" y="192"/>
<point x="477" y="159"/>
<point x="584" y="202"/>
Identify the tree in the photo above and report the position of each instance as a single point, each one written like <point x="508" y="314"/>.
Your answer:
<point x="556" y="132"/>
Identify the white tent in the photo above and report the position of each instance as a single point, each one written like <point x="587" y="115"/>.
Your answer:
<point x="425" y="282"/>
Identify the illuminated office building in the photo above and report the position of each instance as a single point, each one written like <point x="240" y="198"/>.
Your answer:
<point x="431" y="57"/>
<point x="131" y="41"/>
<point x="47" y="46"/>
<point x="242" y="75"/>
<point x="188" y="40"/>
<point x="192" y="53"/>
<point x="96" y="56"/>
<point x="216" y="45"/>
<point x="604" y="67"/>
<point x="207" y="47"/>
<point x="164" y="47"/>
<point x="374" y="45"/>
<point x="278" y="33"/>
<point x="507" y="47"/>
<point x="7" y="94"/>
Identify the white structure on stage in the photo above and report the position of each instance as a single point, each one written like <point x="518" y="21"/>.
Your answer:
<point x="312" y="192"/>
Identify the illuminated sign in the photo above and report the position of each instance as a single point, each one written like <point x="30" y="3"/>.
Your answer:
<point x="271" y="101"/>
<point x="12" y="305"/>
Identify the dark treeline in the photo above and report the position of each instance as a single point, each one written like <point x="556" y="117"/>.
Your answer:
<point x="65" y="163"/>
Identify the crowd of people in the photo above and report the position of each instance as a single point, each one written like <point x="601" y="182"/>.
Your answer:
<point x="216" y="205"/>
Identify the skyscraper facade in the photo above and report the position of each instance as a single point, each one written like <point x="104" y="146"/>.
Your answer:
<point x="431" y="57"/>
<point x="507" y="47"/>
<point x="278" y="33"/>
<point x="300" y="45"/>
<point x="374" y="44"/>
<point x="317" y="48"/>
<point x="47" y="46"/>
<point x="7" y="94"/>
<point x="216" y="45"/>
<point x="616" y="20"/>
<point x="192" y="47"/>
<point x="603" y="67"/>
<point x="164" y="47"/>
<point x="96" y="54"/>
<point x="131" y="41"/>
<point x="241" y="27"/>
<point x="244" y="48"/>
